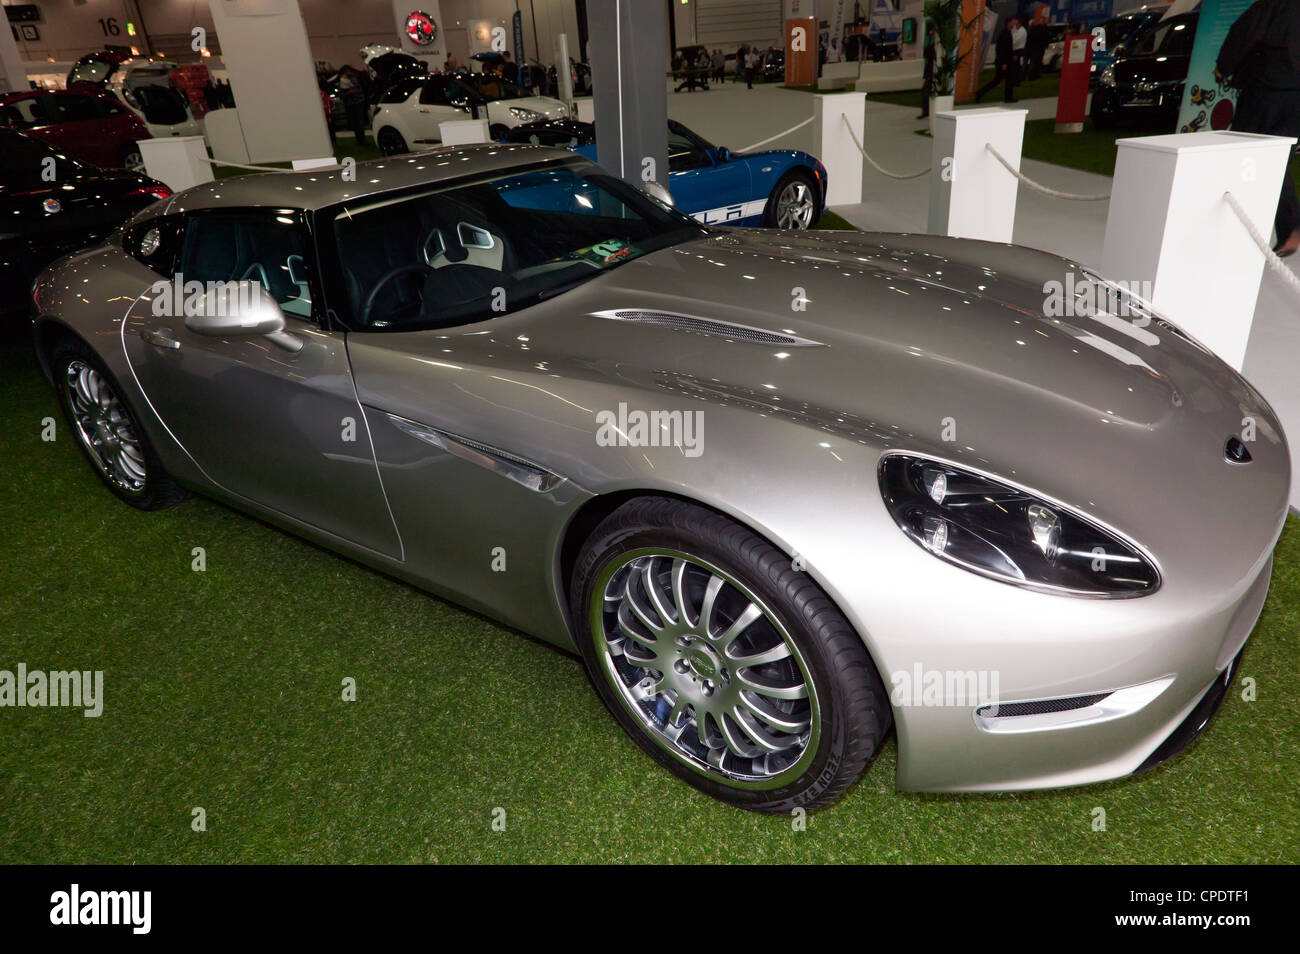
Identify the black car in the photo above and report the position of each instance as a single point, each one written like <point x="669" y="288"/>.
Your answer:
<point x="51" y="204"/>
<point x="1144" y="86"/>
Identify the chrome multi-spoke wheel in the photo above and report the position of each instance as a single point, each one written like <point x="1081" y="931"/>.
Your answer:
<point x="795" y="205"/>
<point x="105" y="428"/>
<point x="705" y="667"/>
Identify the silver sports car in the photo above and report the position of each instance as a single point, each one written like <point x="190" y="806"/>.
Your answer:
<point x="780" y="490"/>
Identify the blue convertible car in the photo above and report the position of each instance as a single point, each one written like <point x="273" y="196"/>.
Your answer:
<point x="780" y="188"/>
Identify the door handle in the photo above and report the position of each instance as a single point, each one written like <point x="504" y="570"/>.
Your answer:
<point x="160" y="338"/>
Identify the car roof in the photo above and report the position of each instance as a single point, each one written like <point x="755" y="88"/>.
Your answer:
<point x="318" y="188"/>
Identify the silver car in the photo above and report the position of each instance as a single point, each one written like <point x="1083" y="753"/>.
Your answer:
<point x="780" y="490"/>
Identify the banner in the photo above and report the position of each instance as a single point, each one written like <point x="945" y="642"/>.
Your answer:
<point x="970" y="50"/>
<point x="517" y="22"/>
<point x="1207" y="103"/>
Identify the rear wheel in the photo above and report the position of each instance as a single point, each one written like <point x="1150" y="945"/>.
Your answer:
<point x="1105" y="111"/>
<point x="723" y="662"/>
<point x="391" y="142"/>
<point x="498" y="131"/>
<point x="793" y="202"/>
<point x="132" y="160"/>
<point x="108" y="430"/>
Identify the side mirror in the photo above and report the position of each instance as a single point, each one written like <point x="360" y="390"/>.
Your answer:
<point x="242" y="309"/>
<point x="723" y="154"/>
<point x="658" y="191"/>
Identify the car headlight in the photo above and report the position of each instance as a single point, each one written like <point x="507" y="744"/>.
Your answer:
<point x="523" y="114"/>
<point x="1107" y="76"/>
<point x="1009" y="534"/>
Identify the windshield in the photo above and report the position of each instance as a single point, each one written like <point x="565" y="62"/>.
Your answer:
<point x="490" y="86"/>
<point x="471" y="252"/>
<point x="90" y="71"/>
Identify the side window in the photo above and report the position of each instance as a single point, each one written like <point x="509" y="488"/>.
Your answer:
<point x="261" y="246"/>
<point x="78" y="109"/>
<point x="401" y="92"/>
<point x="434" y="93"/>
<point x="156" y="243"/>
<point x="684" y="153"/>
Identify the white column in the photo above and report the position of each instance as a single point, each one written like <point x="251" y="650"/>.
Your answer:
<point x="13" y="76"/>
<point x="972" y="195"/>
<point x="1169" y="225"/>
<point x="835" y="147"/>
<point x="273" y="76"/>
<point x="178" y="162"/>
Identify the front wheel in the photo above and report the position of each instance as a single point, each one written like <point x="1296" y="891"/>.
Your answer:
<point x="391" y="142"/>
<point x="108" y="430"/>
<point x="793" y="203"/>
<point x="132" y="159"/>
<point x="498" y="131"/>
<point x="722" y="661"/>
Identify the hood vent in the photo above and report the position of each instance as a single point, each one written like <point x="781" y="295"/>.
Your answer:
<point x="708" y="326"/>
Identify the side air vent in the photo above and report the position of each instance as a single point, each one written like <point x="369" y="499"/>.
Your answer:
<point x="507" y="465"/>
<point x="708" y="326"/>
<point x="1010" y="710"/>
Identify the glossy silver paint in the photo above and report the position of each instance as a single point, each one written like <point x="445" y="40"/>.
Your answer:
<point x="904" y="335"/>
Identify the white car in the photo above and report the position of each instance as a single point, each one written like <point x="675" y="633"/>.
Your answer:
<point x="144" y="87"/>
<point x="408" y="115"/>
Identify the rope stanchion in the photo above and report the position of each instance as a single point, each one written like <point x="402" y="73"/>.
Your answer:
<point x="1039" y="187"/>
<point x="1271" y="257"/>
<point x="778" y="135"/>
<point x="873" y="163"/>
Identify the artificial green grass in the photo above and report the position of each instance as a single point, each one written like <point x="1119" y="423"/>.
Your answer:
<point x="1046" y="85"/>
<point x="223" y="692"/>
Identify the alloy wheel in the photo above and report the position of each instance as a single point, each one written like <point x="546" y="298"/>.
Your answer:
<point x="795" y="206"/>
<point x="705" y="668"/>
<point x="105" y="428"/>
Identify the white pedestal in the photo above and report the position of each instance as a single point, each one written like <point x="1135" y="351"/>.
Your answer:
<point x="178" y="162"/>
<point x="584" y="109"/>
<point x="226" y="135"/>
<point x="1168" y="224"/>
<point x="971" y="194"/>
<point x="834" y="146"/>
<point x="459" y="132"/>
<point x="326" y="162"/>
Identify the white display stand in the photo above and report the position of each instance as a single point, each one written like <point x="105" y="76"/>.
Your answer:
<point x="835" y="147"/>
<point x="460" y="132"/>
<point x="971" y="194"/>
<point x="178" y="162"/>
<point x="584" y="109"/>
<point x="302" y="165"/>
<point x="1169" y="224"/>
<point x="226" y="135"/>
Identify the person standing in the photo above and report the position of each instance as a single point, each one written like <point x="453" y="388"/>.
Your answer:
<point x="719" y="66"/>
<point x="751" y="67"/>
<point x="740" y="61"/>
<point x="927" y="81"/>
<point x="1261" y="56"/>
<point x="1004" y="65"/>
<point x="1019" y="40"/>
<point x="1036" y="48"/>
<point x="353" y="95"/>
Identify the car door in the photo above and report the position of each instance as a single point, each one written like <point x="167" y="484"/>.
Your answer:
<point x="280" y="428"/>
<point x="434" y="105"/>
<point x="713" y="191"/>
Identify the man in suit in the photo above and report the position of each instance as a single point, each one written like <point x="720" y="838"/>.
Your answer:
<point x="1004" y="64"/>
<point x="1261" y="57"/>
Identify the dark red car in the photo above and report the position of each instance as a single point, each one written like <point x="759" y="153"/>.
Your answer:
<point x="91" y="128"/>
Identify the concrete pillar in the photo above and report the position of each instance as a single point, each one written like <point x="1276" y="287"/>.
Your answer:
<point x="629" y="59"/>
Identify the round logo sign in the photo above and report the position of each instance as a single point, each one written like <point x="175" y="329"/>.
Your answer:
<point x="52" y="206"/>
<point x="420" y="28"/>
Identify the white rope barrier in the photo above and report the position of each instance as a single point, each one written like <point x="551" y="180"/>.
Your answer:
<point x="1039" y="187"/>
<point x="1271" y="257"/>
<point x="778" y="135"/>
<point x="874" y="164"/>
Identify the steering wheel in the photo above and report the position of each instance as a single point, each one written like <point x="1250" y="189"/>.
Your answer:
<point x="384" y="279"/>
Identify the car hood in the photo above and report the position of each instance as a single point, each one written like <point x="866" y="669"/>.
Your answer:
<point x="919" y="343"/>
<point x="550" y="108"/>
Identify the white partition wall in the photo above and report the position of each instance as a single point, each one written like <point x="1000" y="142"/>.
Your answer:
<point x="272" y="74"/>
<point x="972" y="195"/>
<point x="1170" y="225"/>
<point x="12" y="75"/>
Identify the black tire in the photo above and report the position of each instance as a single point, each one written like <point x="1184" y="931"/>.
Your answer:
<point x="854" y="713"/>
<point x="1105" y="112"/>
<point x="391" y="142"/>
<point x="159" y="490"/>
<point x="797" y="176"/>
<point x="498" y="131"/>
